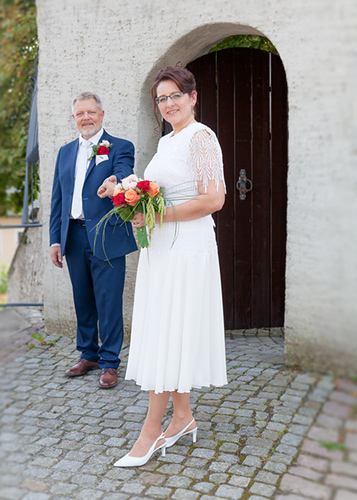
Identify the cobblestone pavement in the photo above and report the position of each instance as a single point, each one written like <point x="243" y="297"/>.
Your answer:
<point x="272" y="433"/>
<point x="16" y="329"/>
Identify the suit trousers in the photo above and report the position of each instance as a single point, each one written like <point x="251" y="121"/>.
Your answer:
<point x="98" y="298"/>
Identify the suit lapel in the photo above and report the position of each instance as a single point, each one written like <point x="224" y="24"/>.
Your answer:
<point x="73" y="159"/>
<point x="92" y="162"/>
<point x="90" y="166"/>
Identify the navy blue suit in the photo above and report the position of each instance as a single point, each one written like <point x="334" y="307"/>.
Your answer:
<point x="97" y="269"/>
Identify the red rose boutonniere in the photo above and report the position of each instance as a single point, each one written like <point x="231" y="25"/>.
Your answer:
<point x="100" y="149"/>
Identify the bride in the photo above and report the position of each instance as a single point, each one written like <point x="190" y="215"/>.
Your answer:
<point x="177" y="337"/>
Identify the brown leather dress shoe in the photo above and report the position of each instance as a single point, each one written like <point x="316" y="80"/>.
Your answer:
<point x="81" y="368"/>
<point x="108" y="378"/>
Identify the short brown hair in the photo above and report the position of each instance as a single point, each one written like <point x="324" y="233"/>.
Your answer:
<point x="183" y="78"/>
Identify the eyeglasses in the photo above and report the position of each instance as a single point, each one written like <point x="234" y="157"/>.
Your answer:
<point x="175" y="96"/>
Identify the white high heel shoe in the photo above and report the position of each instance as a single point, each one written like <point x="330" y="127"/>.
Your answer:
<point x="128" y="461"/>
<point x="170" y="441"/>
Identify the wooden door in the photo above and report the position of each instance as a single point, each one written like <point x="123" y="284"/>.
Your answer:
<point x="242" y="96"/>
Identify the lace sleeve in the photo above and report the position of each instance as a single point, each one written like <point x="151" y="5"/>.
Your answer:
<point x="205" y="158"/>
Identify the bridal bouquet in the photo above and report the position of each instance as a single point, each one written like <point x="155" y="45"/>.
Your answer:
<point x="132" y="195"/>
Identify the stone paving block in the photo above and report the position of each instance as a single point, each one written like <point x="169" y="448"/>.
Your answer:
<point x="284" y="419"/>
<point x="218" y="478"/>
<point x="228" y="458"/>
<point x="329" y="422"/>
<point x="178" y="482"/>
<point x="344" y="468"/>
<point x="274" y="426"/>
<point x="12" y="493"/>
<point x="60" y="476"/>
<point x="315" y="448"/>
<point x="336" y="409"/>
<point x="281" y="457"/>
<point x="119" y="473"/>
<point x="276" y="467"/>
<point x="306" y="473"/>
<point x="342" y="397"/>
<point x="38" y="472"/>
<point x="266" y="477"/>
<point x="132" y="487"/>
<point x="310" y="462"/>
<point x="226" y="447"/>
<point x="247" y="431"/>
<point x="345" y="495"/>
<point x="291" y="439"/>
<point x="257" y="497"/>
<point x="322" y="434"/>
<point x="341" y="481"/>
<point x="262" y="489"/>
<point x="203" y="487"/>
<point x="181" y="494"/>
<point x="63" y="488"/>
<point x="351" y="425"/>
<point x="310" y="409"/>
<point x="300" y="486"/>
<point x="170" y="469"/>
<point x="255" y="450"/>
<point x="289" y="497"/>
<point x="253" y="461"/>
<point x="196" y="462"/>
<point x="230" y="492"/>
<point x="239" y="481"/>
<point x="84" y="479"/>
<point x="94" y="469"/>
<point x="118" y="496"/>
<point x="35" y="485"/>
<point x="200" y="474"/>
<point x="241" y="470"/>
<point x="287" y="449"/>
<point x="351" y="441"/>
<point x="36" y="496"/>
<point x="15" y="480"/>
<point x="87" y="494"/>
<point x="116" y="442"/>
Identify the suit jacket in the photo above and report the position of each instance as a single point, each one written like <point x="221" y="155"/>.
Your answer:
<point x="118" y="236"/>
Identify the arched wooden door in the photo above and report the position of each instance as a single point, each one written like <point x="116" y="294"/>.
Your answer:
<point x="242" y="96"/>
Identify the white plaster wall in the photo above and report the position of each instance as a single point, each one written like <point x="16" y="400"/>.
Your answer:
<point x="115" y="48"/>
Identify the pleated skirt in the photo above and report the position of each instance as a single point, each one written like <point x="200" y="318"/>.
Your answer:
<point x="177" y="338"/>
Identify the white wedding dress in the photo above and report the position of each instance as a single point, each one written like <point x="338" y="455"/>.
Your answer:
<point x="177" y="338"/>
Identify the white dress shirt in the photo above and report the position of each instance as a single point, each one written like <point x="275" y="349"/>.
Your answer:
<point x="80" y="165"/>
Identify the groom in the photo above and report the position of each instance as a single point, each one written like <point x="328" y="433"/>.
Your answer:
<point x="96" y="264"/>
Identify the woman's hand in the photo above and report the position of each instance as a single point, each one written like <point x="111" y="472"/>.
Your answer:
<point x="107" y="188"/>
<point x="138" y="220"/>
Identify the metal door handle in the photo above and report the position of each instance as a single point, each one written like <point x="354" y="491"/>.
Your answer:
<point x="242" y="184"/>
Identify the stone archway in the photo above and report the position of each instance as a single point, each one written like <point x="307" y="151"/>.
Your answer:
<point x="253" y="265"/>
<point x="187" y="48"/>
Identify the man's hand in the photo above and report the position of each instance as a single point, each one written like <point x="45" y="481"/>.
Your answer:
<point x="107" y="188"/>
<point x="56" y="256"/>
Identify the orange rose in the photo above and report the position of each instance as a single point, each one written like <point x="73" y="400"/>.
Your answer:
<point x="153" y="189"/>
<point x="117" y="190"/>
<point x="131" y="197"/>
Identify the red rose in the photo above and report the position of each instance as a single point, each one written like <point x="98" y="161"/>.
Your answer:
<point x="102" y="150"/>
<point x="144" y="186"/>
<point x="119" y="199"/>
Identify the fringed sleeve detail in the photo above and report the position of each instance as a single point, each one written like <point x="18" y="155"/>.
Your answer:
<point x="205" y="158"/>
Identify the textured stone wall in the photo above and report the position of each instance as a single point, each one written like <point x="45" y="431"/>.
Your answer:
<point x="115" y="47"/>
<point x="26" y="271"/>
